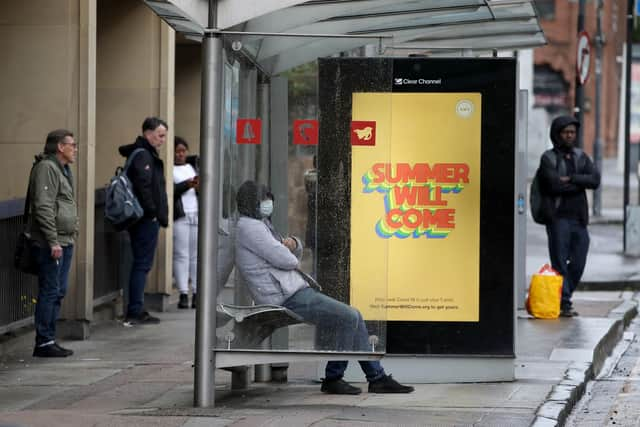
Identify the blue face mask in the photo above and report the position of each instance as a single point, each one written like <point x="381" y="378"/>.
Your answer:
<point x="266" y="208"/>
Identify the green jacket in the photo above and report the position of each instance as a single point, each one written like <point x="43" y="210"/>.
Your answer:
<point x="53" y="216"/>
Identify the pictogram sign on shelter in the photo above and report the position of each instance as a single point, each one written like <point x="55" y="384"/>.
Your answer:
<point x="305" y="132"/>
<point x="363" y="133"/>
<point x="249" y="131"/>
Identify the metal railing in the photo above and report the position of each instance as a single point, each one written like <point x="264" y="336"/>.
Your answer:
<point x="19" y="291"/>
<point x="111" y="254"/>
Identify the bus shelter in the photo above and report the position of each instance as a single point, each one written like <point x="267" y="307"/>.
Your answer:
<point x="324" y="135"/>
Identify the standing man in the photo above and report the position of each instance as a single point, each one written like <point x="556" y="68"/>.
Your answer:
<point x="53" y="224"/>
<point x="565" y="173"/>
<point x="146" y="174"/>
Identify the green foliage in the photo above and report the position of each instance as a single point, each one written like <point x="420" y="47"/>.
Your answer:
<point x="303" y="81"/>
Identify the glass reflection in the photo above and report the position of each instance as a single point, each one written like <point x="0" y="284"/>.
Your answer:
<point x="268" y="295"/>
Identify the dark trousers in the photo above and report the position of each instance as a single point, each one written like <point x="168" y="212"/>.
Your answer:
<point x="53" y="277"/>
<point x="144" y="239"/>
<point x="568" y="246"/>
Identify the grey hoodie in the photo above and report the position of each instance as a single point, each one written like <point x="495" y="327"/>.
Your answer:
<point x="268" y="267"/>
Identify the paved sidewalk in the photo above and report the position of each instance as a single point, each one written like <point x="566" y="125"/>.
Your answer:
<point x="143" y="377"/>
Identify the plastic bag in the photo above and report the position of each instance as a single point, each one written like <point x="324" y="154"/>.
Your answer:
<point x="545" y="293"/>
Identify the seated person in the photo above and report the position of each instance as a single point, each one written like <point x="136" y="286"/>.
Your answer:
<point x="267" y="263"/>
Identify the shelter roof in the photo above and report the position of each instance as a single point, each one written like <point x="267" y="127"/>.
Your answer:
<point x="281" y="34"/>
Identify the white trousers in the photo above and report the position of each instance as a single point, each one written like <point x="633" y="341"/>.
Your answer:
<point x="185" y="252"/>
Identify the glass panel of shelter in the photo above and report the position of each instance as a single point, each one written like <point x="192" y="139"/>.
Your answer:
<point x="288" y="277"/>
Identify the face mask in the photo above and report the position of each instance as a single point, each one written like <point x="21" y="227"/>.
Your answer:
<point x="266" y="208"/>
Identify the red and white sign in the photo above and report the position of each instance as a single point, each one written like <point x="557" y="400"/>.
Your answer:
<point x="249" y="131"/>
<point x="583" y="59"/>
<point x="305" y="132"/>
<point x="363" y="133"/>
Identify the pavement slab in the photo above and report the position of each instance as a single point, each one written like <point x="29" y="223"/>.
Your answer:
<point x="15" y="398"/>
<point x="61" y="376"/>
<point x="207" y="422"/>
<point x="78" y="419"/>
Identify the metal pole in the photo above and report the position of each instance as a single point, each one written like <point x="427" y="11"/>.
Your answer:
<point x="263" y="372"/>
<point x="597" y="146"/>
<point x="627" y="119"/>
<point x="210" y="131"/>
<point x="579" y="108"/>
<point x="520" y="220"/>
<point x="264" y="107"/>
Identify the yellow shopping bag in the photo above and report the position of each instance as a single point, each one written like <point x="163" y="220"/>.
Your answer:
<point x="545" y="293"/>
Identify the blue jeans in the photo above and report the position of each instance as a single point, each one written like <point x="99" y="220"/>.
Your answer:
<point x="345" y="321"/>
<point x="144" y="239"/>
<point x="568" y="247"/>
<point x="53" y="278"/>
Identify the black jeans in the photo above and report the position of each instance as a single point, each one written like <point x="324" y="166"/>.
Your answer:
<point x="568" y="247"/>
<point x="144" y="239"/>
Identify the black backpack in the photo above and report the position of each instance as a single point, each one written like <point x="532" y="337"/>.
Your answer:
<point x="121" y="207"/>
<point x="542" y="206"/>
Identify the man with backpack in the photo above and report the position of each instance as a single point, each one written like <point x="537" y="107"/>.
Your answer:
<point x="564" y="174"/>
<point x="146" y="174"/>
<point x="53" y="227"/>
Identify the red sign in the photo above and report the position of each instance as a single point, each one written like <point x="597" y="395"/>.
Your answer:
<point x="363" y="133"/>
<point x="248" y="131"/>
<point x="305" y="132"/>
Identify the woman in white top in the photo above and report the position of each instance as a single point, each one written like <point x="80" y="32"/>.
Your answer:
<point x="185" y="222"/>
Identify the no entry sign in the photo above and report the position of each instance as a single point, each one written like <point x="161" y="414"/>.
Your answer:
<point x="583" y="59"/>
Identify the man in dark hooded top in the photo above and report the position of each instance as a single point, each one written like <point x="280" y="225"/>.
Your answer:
<point x="565" y="173"/>
<point x="146" y="174"/>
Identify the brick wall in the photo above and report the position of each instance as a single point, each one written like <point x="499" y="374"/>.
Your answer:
<point x="560" y="55"/>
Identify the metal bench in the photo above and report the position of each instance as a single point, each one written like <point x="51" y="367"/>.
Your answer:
<point x="252" y="324"/>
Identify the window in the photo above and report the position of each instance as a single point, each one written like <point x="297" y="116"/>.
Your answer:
<point x="550" y="90"/>
<point x="546" y="9"/>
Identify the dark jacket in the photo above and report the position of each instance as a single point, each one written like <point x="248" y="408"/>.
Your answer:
<point x="553" y="166"/>
<point x="53" y="211"/>
<point x="147" y="177"/>
<point x="180" y="188"/>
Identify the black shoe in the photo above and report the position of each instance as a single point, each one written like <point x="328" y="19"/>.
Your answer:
<point x="387" y="384"/>
<point x="193" y="301"/>
<point x="338" y="386"/>
<point x="568" y="312"/>
<point x="50" y="350"/>
<point x="143" y="319"/>
<point x="184" y="301"/>
<point x="66" y="350"/>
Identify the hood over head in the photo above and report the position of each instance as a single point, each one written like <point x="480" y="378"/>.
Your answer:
<point x="248" y="199"/>
<point x="560" y="123"/>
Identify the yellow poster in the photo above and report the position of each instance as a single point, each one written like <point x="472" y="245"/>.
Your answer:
<point x="415" y="207"/>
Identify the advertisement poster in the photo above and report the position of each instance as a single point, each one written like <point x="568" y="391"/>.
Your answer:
<point x="415" y="207"/>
